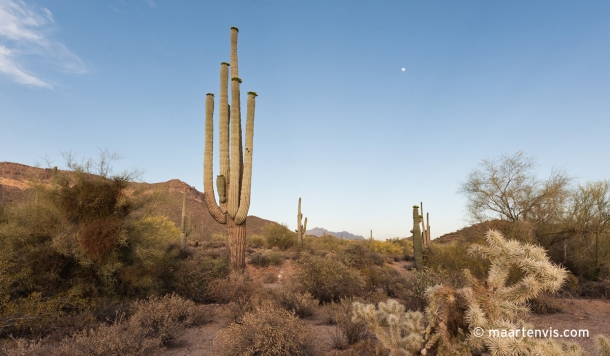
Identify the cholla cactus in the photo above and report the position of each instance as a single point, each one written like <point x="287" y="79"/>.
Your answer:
<point x="401" y="332"/>
<point x="454" y="315"/>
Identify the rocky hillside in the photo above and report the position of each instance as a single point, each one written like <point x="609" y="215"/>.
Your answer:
<point x="17" y="182"/>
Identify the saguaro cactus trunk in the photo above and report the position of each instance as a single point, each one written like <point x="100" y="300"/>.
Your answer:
<point x="417" y="238"/>
<point x="301" y="229"/>
<point x="234" y="181"/>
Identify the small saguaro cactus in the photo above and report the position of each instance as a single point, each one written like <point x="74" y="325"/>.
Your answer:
<point x="186" y="228"/>
<point x="234" y="182"/>
<point x="425" y="227"/>
<point x="301" y="229"/>
<point x="417" y="238"/>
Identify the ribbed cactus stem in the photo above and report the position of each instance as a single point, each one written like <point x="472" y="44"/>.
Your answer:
<point x="428" y="228"/>
<point x="301" y="229"/>
<point x="234" y="181"/>
<point x="417" y="239"/>
<point x="425" y="234"/>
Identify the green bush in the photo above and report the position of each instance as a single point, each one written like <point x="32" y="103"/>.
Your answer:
<point x="256" y="241"/>
<point x="359" y="256"/>
<point x="269" y="257"/>
<point x="454" y="257"/>
<point x="329" y="280"/>
<point x="279" y="235"/>
<point x="386" y="279"/>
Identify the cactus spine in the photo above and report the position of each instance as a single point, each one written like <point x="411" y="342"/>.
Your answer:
<point x="234" y="182"/>
<point x="301" y="229"/>
<point x="417" y="238"/>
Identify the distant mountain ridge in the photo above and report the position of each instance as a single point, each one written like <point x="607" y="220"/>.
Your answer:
<point x="318" y="231"/>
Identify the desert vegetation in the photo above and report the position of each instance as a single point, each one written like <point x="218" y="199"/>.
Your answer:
<point x="88" y="266"/>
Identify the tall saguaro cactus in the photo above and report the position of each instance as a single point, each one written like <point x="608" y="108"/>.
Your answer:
<point x="301" y="229"/>
<point x="417" y="238"/>
<point x="234" y="181"/>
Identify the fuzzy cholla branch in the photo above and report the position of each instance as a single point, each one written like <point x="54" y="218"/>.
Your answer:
<point x="454" y="316"/>
<point x="399" y="331"/>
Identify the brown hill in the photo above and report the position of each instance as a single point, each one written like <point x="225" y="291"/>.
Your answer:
<point x="474" y="233"/>
<point x="18" y="180"/>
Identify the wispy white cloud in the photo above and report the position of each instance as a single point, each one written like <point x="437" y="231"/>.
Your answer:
<point x="150" y="3"/>
<point x="27" y="30"/>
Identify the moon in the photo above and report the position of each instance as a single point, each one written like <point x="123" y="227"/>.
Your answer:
<point x="403" y="69"/>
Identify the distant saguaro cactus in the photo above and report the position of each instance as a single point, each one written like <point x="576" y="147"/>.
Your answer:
<point x="425" y="227"/>
<point x="301" y="229"/>
<point x="186" y="228"/>
<point x="235" y="177"/>
<point x="417" y="238"/>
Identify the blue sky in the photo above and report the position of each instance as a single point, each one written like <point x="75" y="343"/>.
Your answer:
<point x="338" y="122"/>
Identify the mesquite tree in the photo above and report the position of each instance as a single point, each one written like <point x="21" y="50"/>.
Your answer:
<point x="233" y="182"/>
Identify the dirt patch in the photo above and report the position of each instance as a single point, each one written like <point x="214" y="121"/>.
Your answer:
<point x="578" y="314"/>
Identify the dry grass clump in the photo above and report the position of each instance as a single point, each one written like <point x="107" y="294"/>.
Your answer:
<point x="329" y="280"/>
<point x="267" y="331"/>
<point x="301" y="304"/>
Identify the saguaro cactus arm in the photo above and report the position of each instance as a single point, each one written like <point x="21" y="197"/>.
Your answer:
<point x="244" y="203"/>
<point x="208" y="186"/>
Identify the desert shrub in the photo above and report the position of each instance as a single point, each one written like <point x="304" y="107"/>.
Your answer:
<point x="544" y="304"/>
<point x="389" y="248"/>
<point x="269" y="257"/>
<point x="358" y="256"/>
<point x="386" y="279"/>
<point x="349" y="331"/>
<point x="217" y="240"/>
<point x="267" y="331"/>
<point x="329" y="280"/>
<point x="454" y="256"/>
<point x="301" y="304"/>
<point x="166" y="317"/>
<point x="596" y="289"/>
<point x="270" y="277"/>
<point x="120" y="338"/>
<point x="418" y="283"/>
<point x="255" y="241"/>
<point x="237" y="291"/>
<point x="314" y="244"/>
<point x="279" y="236"/>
